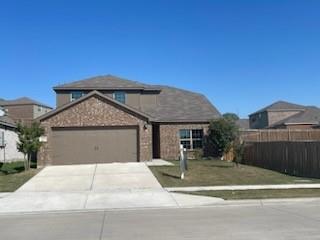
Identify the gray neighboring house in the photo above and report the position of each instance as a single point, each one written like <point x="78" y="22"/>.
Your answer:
<point x="111" y="119"/>
<point x="24" y="109"/>
<point x="285" y="115"/>
<point x="8" y="139"/>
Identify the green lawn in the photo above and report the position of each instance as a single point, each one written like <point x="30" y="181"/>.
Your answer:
<point x="218" y="173"/>
<point x="12" y="176"/>
<point x="259" y="194"/>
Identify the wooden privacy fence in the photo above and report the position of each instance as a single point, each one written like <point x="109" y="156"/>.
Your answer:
<point x="271" y="135"/>
<point x="294" y="158"/>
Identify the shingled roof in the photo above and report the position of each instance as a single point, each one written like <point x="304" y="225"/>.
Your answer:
<point x="311" y="115"/>
<point x="21" y="101"/>
<point x="104" y="83"/>
<point x="7" y="121"/>
<point x="180" y="105"/>
<point x="243" y="123"/>
<point x="281" y="106"/>
<point x="173" y="104"/>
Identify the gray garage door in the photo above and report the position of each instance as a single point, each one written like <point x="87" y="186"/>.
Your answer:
<point x="101" y="145"/>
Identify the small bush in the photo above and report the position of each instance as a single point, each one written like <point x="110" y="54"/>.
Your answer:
<point x="238" y="151"/>
<point x="198" y="154"/>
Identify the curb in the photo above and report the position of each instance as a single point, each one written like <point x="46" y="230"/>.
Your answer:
<point x="243" y="187"/>
<point x="226" y="203"/>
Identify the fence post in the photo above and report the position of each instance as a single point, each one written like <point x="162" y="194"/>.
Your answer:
<point x="259" y="136"/>
<point x="289" y="135"/>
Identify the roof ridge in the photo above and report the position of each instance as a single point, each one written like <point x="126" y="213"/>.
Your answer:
<point x="269" y="107"/>
<point x="104" y="79"/>
<point x="23" y="101"/>
<point x="177" y="88"/>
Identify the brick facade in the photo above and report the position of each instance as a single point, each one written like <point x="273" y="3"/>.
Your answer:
<point x="267" y="118"/>
<point x="170" y="139"/>
<point x="274" y="117"/>
<point x="95" y="111"/>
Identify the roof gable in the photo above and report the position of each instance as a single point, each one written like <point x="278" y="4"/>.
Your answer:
<point x="281" y="106"/>
<point x="115" y="103"/>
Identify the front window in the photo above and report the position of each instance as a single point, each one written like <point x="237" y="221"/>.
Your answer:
<point x="191" y="138"/>
<point x="120" y="96"/>
<point x="76" y="95"/>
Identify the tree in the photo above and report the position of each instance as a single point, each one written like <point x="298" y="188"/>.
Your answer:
<point x="29" y="141"/>
<point x="231" y="116"/>
<point x="222" y="132"/>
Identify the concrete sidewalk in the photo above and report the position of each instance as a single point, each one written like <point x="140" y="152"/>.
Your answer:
<point x="243" y="187"/>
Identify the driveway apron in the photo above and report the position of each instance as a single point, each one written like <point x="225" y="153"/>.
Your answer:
<point x="93" y="186"/>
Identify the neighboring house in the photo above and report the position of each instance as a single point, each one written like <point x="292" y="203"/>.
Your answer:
<point x="243" y="124"/>
<point x="24" y="110"/>
<point x="8" y="139"/>
<point x="110" y="119"/>
<point x="285" y="115"/>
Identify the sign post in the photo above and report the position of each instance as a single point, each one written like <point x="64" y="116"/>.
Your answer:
<point x="3" y="146"/>
<point x="183" y="161"/>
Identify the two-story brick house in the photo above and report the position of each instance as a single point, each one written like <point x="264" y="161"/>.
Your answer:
<point x="24" y="109"/>
<point x="286" y="115"/>
<point x="110" y="119"/>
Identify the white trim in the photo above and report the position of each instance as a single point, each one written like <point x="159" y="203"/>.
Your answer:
<point x="191" y="139"/>
<point x="120" y="91"/>
<point x="70" y="95"/>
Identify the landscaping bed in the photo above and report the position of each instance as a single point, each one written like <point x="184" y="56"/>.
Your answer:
<point x="220" y="173"/>
<point x="12" y="176"/>
<point x="259" y="194"/>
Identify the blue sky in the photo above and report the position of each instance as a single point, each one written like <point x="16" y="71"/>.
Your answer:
<point x="241" y="54"/>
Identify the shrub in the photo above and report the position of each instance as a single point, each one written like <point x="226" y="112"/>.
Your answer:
<point x="198" y="154"/>
<point x="222" y="133"/>
<point x="238" y="151"/>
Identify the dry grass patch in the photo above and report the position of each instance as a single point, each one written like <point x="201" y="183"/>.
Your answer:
<point x="260" y="194"/>
<point x="219" y="173"/>
<point x="12" y="176"/>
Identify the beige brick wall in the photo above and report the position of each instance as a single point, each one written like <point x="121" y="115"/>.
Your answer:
<point x="95" y="111"/>
<point x="274" y="117"/>
<point x="170" y="140"/>
<point x="21" y="113"/>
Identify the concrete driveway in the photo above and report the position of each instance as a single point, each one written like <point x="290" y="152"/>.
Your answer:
<point x="95" y="186"/>
<point x="92" y="177"/>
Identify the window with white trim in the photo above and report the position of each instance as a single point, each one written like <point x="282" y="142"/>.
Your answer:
<point x="76" y="95"/>
<point x="120" y="96"/>
<point x="191" y="138"/>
